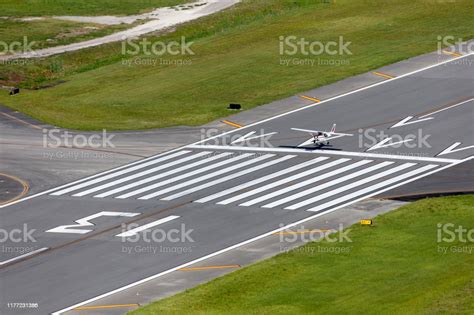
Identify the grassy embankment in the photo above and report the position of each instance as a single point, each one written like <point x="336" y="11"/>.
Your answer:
<point x="236" y="59"/>
<point x="392" y="268"/>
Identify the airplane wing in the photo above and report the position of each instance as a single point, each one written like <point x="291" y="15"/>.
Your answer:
<point x="341" y="134"/>
<point x="306" y="130"/>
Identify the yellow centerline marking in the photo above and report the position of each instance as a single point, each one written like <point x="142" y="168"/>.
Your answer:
<point x="25" y="185"/>
<point x="310" y="98"/>
<point x="233" y="124"/>
<point x="299" y="232"/>
<point x="209" y="267"/>
<point x="455" y="54"/>
<point x="82" y="308"/>
<point x="383" y="75"/>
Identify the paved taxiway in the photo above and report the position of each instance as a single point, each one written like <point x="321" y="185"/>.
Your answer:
<point x="218" y="194"/>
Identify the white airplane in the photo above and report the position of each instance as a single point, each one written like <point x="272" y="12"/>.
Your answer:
<point x="321" y="138"/>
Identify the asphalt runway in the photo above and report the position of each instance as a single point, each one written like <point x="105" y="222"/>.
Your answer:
<point x="107" y="231"/>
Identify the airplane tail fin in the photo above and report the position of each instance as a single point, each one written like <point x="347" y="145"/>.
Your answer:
<point x="333" y="129"/>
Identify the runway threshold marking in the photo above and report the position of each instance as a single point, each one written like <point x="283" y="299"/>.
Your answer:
<point x="452" y="53"/>
<point x="209" y="267"/>
<point x="311" y="98"/>
<point x="233" y="124"/>
<point x="98" y="307"/>
<point x="251" y="240"/>
<point x="25" y="185"/>
<point x="22" y="121"/>
<point x="383" y="75"/>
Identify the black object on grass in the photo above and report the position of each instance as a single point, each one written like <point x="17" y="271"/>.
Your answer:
<point x="234" y="106"/>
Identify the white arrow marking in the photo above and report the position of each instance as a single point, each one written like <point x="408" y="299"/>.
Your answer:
<point x="451" y="149"/>
<point x="384" y="144"/>
<point x="247" y="137"/>
<point x="406" y="121"/>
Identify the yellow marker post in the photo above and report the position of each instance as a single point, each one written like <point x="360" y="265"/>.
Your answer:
<point x="366" y="222"/>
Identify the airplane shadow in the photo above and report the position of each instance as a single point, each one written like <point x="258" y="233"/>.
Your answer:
<point x="307" y="148"/>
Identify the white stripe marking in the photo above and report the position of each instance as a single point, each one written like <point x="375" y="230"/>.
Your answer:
<point x="229" y="177"/>
<point x="141" y="174"/>
<point x="259" y="180"/>
<point x="125" y="171"/>
<point x="321" y="186"/>
<point x="206" y="177"/>
<point x="372" y="188"/>
<point x="350" y="186"/>
<point x="282" y="181"/>
<point x="147" y="226"/>
<point x="23" y="256"/>
<point x="446" y="108"/>
<point x="180" y="177"/>
<point x="328" y="152"/>
<point x="165" y="174"/>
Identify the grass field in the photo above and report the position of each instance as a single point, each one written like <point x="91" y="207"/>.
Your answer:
<point x="392" y="268"/>
<point x="81" y="7"/>
<point x="236" y="59"/>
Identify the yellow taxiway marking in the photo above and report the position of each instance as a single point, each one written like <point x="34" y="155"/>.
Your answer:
<point x="209" y="267"/>
<point x="26" y="188"/>
<point x="310" y="98"/>
<point x="21" y="121"/>
<point x="383" y="75"/>
<point x="83" y="308"/>
<point x="452" y="53"/>
<point x="299" y="232"/>
<point x="232" y="124"/>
